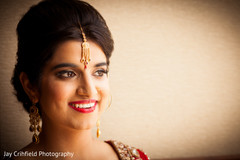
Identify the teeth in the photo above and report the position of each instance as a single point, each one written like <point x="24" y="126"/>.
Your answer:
<point x="87" y="105"/>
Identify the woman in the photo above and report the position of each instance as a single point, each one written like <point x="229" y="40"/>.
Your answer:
<point x="61" y="77"/>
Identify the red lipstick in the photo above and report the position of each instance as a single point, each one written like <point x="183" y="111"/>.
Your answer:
<point x="84" y="106"/>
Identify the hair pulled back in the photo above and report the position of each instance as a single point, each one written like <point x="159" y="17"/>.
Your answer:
<point x="44" y="27"/>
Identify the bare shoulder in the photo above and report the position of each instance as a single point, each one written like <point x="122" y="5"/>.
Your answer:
<point x="127" y="152"/>
<point x="105" y="152"/>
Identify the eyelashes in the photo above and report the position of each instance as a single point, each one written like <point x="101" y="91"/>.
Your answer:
<point x="101" y="72"/>
<point x="68" y="74"/>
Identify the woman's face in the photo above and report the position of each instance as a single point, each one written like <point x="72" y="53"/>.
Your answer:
<point x="71" y="96"/>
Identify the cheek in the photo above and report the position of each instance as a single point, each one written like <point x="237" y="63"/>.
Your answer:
<point x="105" y="96"/>
<point x="54" y="93"/>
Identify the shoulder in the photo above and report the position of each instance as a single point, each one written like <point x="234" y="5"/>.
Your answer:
<point x="126" y="152"/>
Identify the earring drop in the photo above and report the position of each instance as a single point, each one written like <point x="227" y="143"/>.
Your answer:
<point x="109" y="105"/>
<point x="34" y="123"/>
<point x="98" y="129"/>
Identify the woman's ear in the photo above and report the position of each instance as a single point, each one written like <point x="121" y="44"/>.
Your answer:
<point x="29" y="89"/>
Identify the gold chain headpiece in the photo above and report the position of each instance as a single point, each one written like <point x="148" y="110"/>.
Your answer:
<point x="85" y="55"/>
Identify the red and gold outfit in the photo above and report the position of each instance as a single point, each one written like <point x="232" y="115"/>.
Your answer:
<point x="126" y="152"/>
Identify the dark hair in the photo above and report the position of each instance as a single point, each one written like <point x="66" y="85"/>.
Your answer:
<point x="44" y="27"/>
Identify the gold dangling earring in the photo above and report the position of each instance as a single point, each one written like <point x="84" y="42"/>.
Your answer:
<point x="98" y="129"/>
<point x="109" y="105"/>
<point x="34" y="123"/>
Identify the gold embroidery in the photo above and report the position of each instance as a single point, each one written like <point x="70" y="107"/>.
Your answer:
<point x="125" y="152"/>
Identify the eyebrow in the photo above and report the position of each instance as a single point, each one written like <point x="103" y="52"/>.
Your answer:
<point x="101" y="64"/>
<point x="64" y="65"/>
<point x="74" y="65"/>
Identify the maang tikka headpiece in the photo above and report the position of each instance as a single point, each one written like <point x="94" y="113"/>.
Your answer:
<point x="85" y="55"/>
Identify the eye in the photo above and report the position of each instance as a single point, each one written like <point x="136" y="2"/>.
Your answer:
<point x="66" y="74"/>
<point x="100" y="73"/>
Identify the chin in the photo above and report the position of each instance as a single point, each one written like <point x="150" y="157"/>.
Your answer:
<point x="83" y="124"/>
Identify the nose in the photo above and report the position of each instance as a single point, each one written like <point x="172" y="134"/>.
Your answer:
<point x="86" y="86"/>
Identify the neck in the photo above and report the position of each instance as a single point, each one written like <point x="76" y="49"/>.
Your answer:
<point x="61" y="139"/>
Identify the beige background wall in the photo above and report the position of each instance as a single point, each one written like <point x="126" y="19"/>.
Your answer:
<point x="175" y="76"/>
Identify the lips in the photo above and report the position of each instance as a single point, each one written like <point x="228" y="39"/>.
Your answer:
<point x="84" y="106"/>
